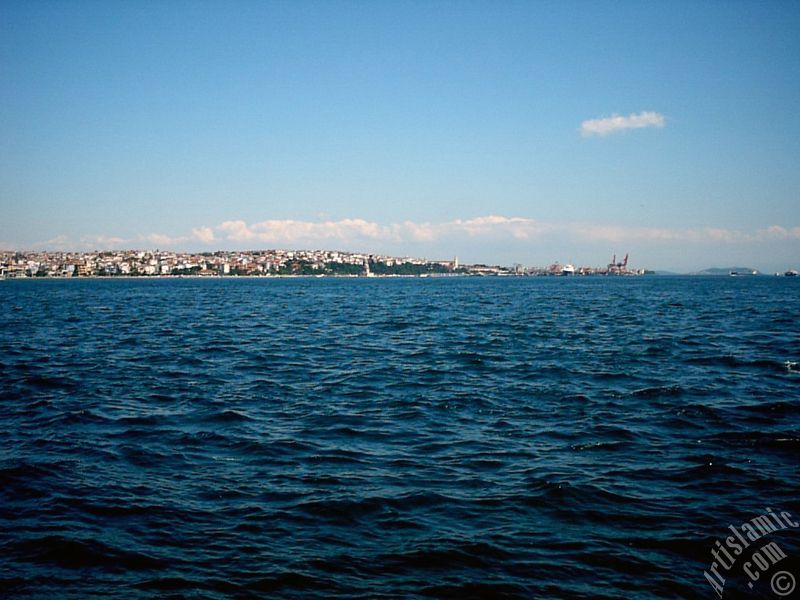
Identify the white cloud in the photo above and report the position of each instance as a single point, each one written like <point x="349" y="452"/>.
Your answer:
<point x="291" y="231"/>
<point x="616" y="123"/>
<point x="60" y="243"/>
<point x="102" y="242"/>
<point x="355" y="231"/>
<point x="489" y="227"/>
<point x="518" y="227"/>
<point x="619" y="233"/>
<point x="717" y="235"/>
<point x="236" y="230"/>
<point x="204" y="234"/>
<point x="418" y="232"/>
<point x="776" y="232"/>
<point x="160" y="240"/>
<point x="491" y="230"/>
<point x="359" y="230"/>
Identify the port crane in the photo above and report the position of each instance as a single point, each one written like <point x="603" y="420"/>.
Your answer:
<point x="619" y="265"/>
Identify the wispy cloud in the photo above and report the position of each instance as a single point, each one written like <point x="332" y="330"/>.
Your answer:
<point x="715" y="235"/>
<point x="616" y="233"/>
<point x="359" y="230"/>
<point x="204" y="234"/>
<point x="616" y="123"/>
<point x="59" y="242"/>
<point x="198" y="234"/>
<point x="291" y="231"/>
<point x="161" y="240"/>
<point x="519" y="228"/>
<point x="102" y="242"/>
<point x="776" y="232"/>
<point x="65" y="243"/>
<point x="364" y="234"/>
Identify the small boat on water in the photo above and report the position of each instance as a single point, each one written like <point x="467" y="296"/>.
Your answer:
<point x="790" y="273"/>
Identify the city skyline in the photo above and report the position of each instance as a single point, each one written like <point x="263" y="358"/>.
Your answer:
<point x="500" y="133"/>
<point x="271" y="262"/>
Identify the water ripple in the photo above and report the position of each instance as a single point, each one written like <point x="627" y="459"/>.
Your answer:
<point x="460" y="438"/>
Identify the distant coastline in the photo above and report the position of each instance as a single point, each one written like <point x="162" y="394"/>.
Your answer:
<point x="265" y="264"/>
<point x="269" y="263"/>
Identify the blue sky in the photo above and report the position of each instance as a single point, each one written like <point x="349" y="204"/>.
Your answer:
<point x="500" y="131"/>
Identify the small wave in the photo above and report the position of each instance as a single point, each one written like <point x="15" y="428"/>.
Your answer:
<point x="779" y="409"/>
<point x="450" y="556"/>
<point x="611" y="375"/>
<point x="146" y="456"/>
<point x="42" y="382"/>
<point x="417" y="500"/>
<point x="83" y="416"/>
<point x="340" y="457"/>
<point x="656" y="392"/>
<point x="81" y="553"/>
<point x="731" y="361"/>
<point x="227" y="416"/>
<point x="148" y="420"/>
<point x="710" y="468"/>
<point x="27" y="472"/>
<point x="291" y="580"/>
<point x="757" y="439"/>
<point x="545" y="444"/>
<point x="176" y="584"/>
<point x="614" y="433"/>
<point x="351" y="510"/>
<point x="602" y="446"/>
<point x="122" y="511"/>
<point x="500" y="590"/>
<point x="27" y="481"/>
<point x="393" y="325"/>
<point x="343" y="511"/>
<point x="168" y="584"/>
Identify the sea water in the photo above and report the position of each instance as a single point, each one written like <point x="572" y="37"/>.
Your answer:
<point x="391" y="438"/>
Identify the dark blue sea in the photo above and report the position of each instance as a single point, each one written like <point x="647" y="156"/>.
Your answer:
<point x="394" y="438"/>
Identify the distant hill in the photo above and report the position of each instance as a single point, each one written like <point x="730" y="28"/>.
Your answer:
<point x="728" y="271"/>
